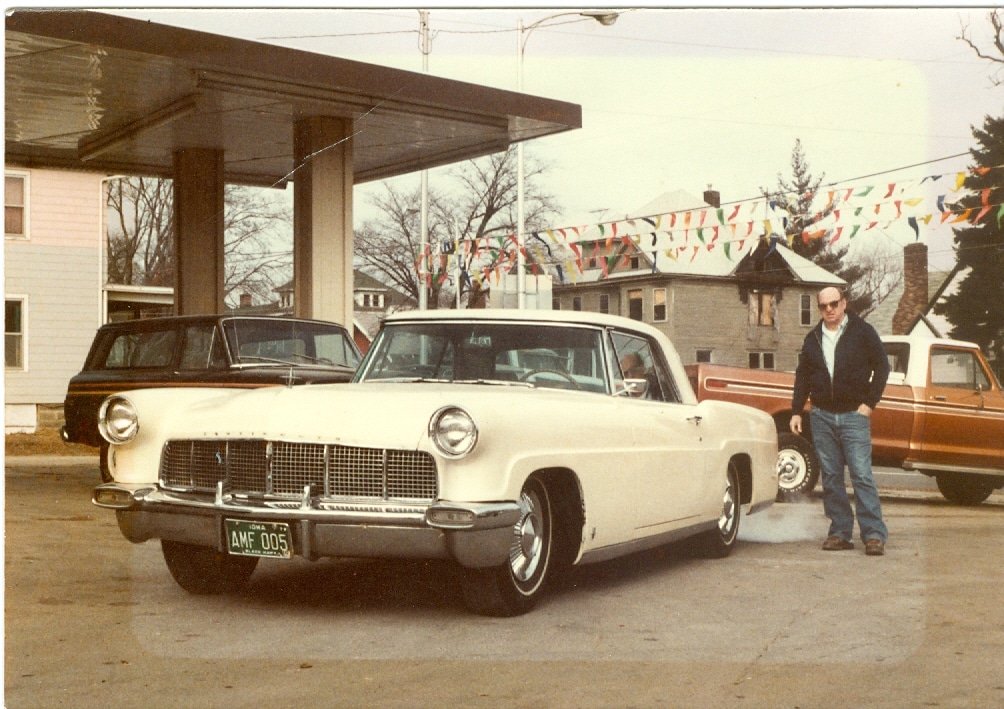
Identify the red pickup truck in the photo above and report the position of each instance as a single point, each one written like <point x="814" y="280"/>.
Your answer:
<point x="942" y="414"/>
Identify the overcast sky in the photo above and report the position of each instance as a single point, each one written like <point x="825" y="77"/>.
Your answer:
<point x="680" y="99"/>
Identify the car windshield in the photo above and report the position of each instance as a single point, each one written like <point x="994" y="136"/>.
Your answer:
<point x="285" y="342"/>
<point x="540" y="355"/>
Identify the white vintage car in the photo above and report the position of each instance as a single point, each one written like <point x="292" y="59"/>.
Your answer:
<point x="516" y="443"/>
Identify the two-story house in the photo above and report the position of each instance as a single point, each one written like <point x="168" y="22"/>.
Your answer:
<point x="750" y="312"/>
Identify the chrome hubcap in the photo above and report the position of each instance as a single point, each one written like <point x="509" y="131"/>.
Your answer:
<point x="524" y="554"/>
<point x="790" y="468"/>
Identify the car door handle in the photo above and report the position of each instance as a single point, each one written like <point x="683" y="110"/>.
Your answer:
<point x="695" y="419"/>
<point x="941" y="398"/>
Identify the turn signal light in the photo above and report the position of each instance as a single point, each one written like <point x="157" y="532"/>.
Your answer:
<point x="451" y="518"/>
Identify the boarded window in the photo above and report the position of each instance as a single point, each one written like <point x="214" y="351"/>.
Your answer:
<point x="659" y="305"/>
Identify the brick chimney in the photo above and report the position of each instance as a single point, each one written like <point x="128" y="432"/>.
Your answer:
<point x="245" y="300"/>
<point x="915" y="293"/>
<point x="712" y="197"/>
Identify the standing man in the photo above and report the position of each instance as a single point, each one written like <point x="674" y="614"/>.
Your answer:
<point x="843" y="369"/>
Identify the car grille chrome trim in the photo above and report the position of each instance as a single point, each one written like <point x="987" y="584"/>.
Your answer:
<point x="281" y="470"/>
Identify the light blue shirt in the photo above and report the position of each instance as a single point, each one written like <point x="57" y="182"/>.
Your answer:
<point x="830" y="339"/>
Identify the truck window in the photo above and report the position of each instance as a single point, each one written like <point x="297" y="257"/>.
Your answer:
<point x="898" y="354"/>
<point x="957" y="369"/>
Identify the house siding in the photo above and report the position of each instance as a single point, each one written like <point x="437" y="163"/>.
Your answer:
<point x="56" y="270"/>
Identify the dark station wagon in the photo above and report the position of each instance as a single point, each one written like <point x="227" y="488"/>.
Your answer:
<point x="202" y="350"/>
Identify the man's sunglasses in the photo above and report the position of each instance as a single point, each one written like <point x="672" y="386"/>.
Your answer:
<point x="832" y="305"/>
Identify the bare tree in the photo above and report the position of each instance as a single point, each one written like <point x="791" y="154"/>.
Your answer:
<point x="141" y="232"/>
<point x="258" y="242"/>
<point x="474" y="204"/>
<point x="257" y="236"/>
<point x="881" y="265"/>
<point x="996" y="55"/>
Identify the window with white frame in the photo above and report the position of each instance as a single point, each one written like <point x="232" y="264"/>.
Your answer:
<point x="635" y="311"/>
<point x="13" y="332"/>
<point x="15" y="217"/>
<point x="805" y="309"/>
<point x="370" y="300"/>
<point x="659" y="305"/>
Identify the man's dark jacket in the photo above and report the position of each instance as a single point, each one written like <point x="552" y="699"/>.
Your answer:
<point x="860" y="370"/>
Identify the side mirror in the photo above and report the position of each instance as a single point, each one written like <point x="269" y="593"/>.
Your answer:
<point x="635" y="388"/>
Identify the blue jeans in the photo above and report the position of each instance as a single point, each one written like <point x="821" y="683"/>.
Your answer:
<point x="846" y="440"/>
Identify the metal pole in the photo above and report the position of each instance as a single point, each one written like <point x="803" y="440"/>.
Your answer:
<point x="423" y="290"/>
<point x="520" y="214"/>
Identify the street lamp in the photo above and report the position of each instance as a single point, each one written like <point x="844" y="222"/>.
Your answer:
<point x="604" y="18"/>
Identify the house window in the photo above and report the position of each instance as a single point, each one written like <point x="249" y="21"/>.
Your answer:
<point x="761" y="360"/>
<point x="704" y="356"/>
<point x="555" y="303"/>
<point x="635" y="304"/>
<point x="370" y="300"/>
<point x="762" y="308"/>
<point x="15" y="206"/>
<point x="659" y="305"/>
<point x="577" y="303"/>
<point x="635" y="262"/>
<point x="13" y="334"/>
<point x="604" y="303"/>
<point x="805" y="309"/>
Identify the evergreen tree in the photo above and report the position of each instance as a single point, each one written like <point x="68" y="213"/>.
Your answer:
<point x="797" y="197"/>
<point x="976" y="309"/>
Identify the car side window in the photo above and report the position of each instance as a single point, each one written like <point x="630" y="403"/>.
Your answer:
<point x="203" y="348"/>
<point x="637" y="360"/>
<point x="142" y="349"/>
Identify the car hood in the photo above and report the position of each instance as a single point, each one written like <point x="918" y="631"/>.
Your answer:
<point x="387" y="415"/>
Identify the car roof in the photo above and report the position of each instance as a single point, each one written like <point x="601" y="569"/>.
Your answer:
<point x="176" y="320"/>
<point x="574" y="317"/>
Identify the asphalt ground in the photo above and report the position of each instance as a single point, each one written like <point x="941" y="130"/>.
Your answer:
<point x="93" y="621"/>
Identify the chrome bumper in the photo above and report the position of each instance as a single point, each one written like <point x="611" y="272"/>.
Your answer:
<point x="475" y="534"/>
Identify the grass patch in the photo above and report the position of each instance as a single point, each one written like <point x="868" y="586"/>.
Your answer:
<point x="45" y="441"/>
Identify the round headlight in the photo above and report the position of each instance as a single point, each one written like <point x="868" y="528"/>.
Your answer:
<point x="453" y="431"/>
<point x="117" y="420"/>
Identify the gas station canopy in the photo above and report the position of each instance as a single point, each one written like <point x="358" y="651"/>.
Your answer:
<point x="90" y="91"/>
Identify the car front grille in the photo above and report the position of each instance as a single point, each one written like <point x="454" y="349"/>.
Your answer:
<point x="284" y="469"/>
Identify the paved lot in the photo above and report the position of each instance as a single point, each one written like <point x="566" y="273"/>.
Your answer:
<point x="93" y="621"/>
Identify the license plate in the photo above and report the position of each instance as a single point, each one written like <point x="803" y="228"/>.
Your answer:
<point x="271" y="539"/>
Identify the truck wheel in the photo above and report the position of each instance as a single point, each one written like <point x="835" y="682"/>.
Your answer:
<point x="964" y="489"/>
<point x="205" y="571"/>
<point x="797" y="467"/>
<point x="514" y="587"/>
